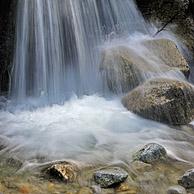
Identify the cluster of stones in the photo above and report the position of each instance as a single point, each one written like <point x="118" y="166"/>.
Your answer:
<point x="161" y="99"/>
<point x="112" y="176"/>
<point x="117" y="177"/>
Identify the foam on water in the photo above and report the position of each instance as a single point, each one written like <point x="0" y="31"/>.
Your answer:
<point x="91" y="129"/>
<point x="58" y="53"/>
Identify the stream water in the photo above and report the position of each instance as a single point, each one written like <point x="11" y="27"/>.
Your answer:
<point x="89" y="129"/>
<point x="59" y="108"/>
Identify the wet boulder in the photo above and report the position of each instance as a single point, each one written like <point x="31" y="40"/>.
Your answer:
<point x="176" y="190"/>
<point x="110" y="177"/>
<point x="163" y="100"/>
<point x="122" y="68"/>
<point x="172" y="15"/>
<point x="151" y="153"/>
<point x="64" y="171"/>
<point x="125" y="67"/>
<point x="187" y="180"/>
<point x="167" y="51"/>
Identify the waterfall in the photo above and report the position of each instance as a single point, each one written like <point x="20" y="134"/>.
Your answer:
<point x="58" y="44"/>
<point x="58" y="109"/>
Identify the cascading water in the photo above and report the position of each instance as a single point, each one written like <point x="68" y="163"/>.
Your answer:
<point x="57" y="54"/>
<point x="57" y="45"/>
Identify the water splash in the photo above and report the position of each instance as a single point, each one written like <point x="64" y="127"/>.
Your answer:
<point x="57" y="55"/>
<point x="90" y="130"/>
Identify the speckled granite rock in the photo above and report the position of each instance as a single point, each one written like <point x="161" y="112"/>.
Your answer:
<point x="151" y="153"/>
<point x="109" y="177"/>
<point x="176" y="190"/>
<point x="187" y="180"/>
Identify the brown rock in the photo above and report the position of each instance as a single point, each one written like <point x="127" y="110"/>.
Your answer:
<point x="124" y="68"/>
<point x="63" y="171"/>
<point x="167" y="51"/>
<point x="164" y="100"/>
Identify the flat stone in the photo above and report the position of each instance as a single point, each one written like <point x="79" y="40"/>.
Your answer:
<point x="110" y="177"/>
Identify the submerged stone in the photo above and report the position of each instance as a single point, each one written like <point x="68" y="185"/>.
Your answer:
<point x="110" y="177"/>
<point x="163" y="100"/>
<point x="127" y="188"/>
<point x="176" y="190"/>
<point x="187" y="180"/>
<point x="140" y="166"/>
<point x="151" y="153"/>
<point x="85" y="190"/>
<point x="14" y="162"/>
<point x="63" y="171"/>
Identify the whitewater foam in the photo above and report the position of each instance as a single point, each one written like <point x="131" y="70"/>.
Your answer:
<point x="90" y="129"/>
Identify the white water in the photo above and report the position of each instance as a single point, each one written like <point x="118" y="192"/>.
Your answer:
<point x="90" y="130"/>
<point x="57" y="55"/>
<point x="57" y="45"/>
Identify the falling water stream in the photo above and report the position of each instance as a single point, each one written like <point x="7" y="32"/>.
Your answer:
<point x="56" y="62"/>
<point x="58" y="45"/>
<point x="59" y="107"/>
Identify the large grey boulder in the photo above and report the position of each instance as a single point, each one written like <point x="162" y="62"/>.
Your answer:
<point x="167" y="51"/>
<point x="187" y="180"/>
<point x="163" y="100"/>
<point x="151" y="153"/>
<point x="124" y="68"/>
<point x="110" y="177"/>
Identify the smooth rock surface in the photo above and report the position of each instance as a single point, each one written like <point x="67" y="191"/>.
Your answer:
<point x="187" y="180"/>
<point x="151" y="153"/>
<point x="110" y="177"/>
<point x="167" y="51"/>
<point x="176" y="190"/>
<point x="123" y="68"/>
<point x="163" y="100"/>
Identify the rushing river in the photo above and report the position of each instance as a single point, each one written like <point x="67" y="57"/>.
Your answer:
<point x="91" y="129"/>
<point x="61" y="107"/>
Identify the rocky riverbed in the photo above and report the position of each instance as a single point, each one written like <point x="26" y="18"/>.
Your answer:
<point x="151" y="170"/>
